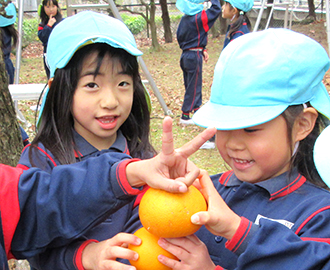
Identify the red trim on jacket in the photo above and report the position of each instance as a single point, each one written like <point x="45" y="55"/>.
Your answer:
<point x="310" y="217"/>
<point x="294" y="185"/>
<point x="218" y="267"/>
<point x="240" y="235"/>
<point x="139" y="196"/>
<point x="224" y="178"/>
<point x="205" y="21"/>
<point x="197" y="28"/>
<point x="9" y="203"/>
<point x="121" y="176"/>
<point x="23" y="167"/>
<point x="324" y="240"/>
<point x="40" y="28"/>
<point x="78" y="255"/>
<point x="44" y="152"/>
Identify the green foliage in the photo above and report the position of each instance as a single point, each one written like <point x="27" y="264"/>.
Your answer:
<point x="30" y="30"/>
<point x="175" y="18"/>
<point x="134" y="23"/>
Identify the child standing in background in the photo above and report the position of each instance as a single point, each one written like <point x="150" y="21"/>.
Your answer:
<point x="9" y="38"/>
<point x="269" y="105"/>
<point x="50" y="16"/>
<point x="192" y="38"/>
<point x="96" y="104"/>
<point x="236" y="10"/>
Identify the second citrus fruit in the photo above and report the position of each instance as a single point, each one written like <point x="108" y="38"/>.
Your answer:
<point x="148" y="252"/>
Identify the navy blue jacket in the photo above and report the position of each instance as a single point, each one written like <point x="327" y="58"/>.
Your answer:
<point x="39" y="210"/>
<point x="285" y="224"/>
<point x="192" y="30"/>
<point x="240" y="32"/>
<point x="126" y="219"/>
<point x="44" y="32"/>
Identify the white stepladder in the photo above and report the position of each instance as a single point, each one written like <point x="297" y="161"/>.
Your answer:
<point x="287" y="5"/>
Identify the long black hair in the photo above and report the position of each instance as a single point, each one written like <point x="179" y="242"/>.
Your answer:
<point x="56" y="123"/>
<point x="303" y="158"/>
<point x="242" y="18"/>
<point x="44" y="17"/>
<point x="12" y="32"/>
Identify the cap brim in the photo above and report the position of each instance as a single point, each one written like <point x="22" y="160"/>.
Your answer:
<point x="321" y="101"/>
<point x="321" y="155"/>
<point x="232" y="117"/>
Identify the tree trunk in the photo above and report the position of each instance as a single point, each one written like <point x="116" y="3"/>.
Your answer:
<point x="11" y="142"/>
<point x="166" y="21"/>
<point x="222" y="21"/>
<point x="311" y="9"/>
<point x="153" y="28"/>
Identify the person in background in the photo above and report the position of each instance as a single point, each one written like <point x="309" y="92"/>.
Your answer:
<point x="9" y="38"/>
<point x="50" y="15"/>
<point x="192" y="38"/>
<point x="235" y="11"/>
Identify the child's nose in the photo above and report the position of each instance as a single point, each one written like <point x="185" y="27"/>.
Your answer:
<point x="234" y="141"/>
<point x="109" y="100"/>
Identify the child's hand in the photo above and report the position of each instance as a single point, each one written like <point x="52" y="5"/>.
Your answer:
<point x="103" y="255"/>
<point x="219" y="219"/>
<point x="191" y="252"/>
<point x="205" y="56"/>
<point x="51" y="21"/>
<point x="170" y="164"/>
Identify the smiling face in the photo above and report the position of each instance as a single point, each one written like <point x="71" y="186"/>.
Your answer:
<point x="257" y="153"/>
<point x="102" y="101"/>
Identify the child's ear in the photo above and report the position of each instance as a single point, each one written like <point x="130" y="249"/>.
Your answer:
<point x="50" y="82"/>
<point x="305" y="123"/>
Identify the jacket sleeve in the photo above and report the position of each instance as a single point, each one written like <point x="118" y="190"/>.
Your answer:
<point x="69" y="257"/>
<point x="286" y="250"/>
<point x="44" y="33"/>
<point x="44" y="209"/>
<point x="212" y="13"/>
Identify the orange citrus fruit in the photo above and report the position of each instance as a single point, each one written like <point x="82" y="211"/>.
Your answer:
<point x="167" y="215"/>
<point x="148" y="252"/>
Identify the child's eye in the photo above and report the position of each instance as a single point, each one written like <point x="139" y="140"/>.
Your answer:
<point x="91" y="85"/>
<point x="250" y="130"/>
<point x="123" y="84"/>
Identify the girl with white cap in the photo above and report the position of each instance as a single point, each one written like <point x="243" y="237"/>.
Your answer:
<point x="268" y="104"/>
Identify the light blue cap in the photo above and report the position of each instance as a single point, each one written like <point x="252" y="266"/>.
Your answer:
<point x="189" y="7"/>
<point x="84" y="28"/>
<point x="244" y="5"/>
<point x="321" y="155"/>
<point x="11" y="12"/>
<point x="260" y="74"/>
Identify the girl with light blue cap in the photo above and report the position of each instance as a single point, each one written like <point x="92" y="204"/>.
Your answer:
<point x="268" y="104"/>
<point x="235" y="11"/>
<point x="96" y="103"/>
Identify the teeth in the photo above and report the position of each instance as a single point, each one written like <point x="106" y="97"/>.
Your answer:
<point x="106" y="121"/>
<point x="242" y="161"/>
